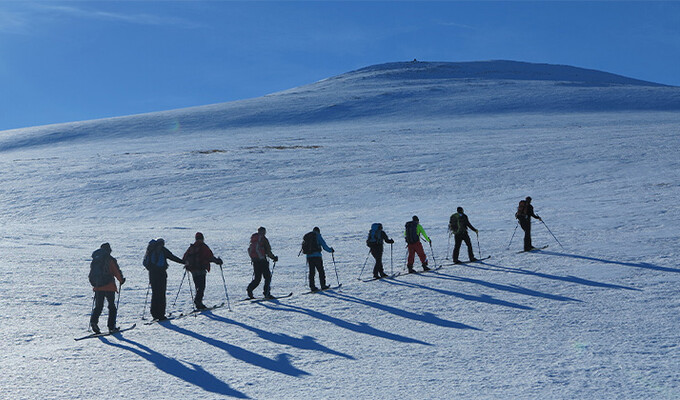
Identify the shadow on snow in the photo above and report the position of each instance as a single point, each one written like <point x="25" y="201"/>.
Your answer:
<point x="570" y="279"/>
<point x="304" y="343"/>
<point x="424" y="317"/>
<point x="482" y="299"/>
<point x="355" y="327"/>
<point x="626" y="264"/>
<point x="194" y="374"/>
<point x="281" y="364"/>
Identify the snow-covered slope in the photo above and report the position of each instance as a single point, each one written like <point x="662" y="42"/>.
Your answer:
<point x="394" y="92"/>
<point x="595" y="319"/>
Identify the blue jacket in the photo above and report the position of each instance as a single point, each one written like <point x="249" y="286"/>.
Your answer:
<point x="323" y="244"/>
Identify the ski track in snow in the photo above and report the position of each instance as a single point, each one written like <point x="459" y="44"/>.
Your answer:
<point x="597" y="319"/>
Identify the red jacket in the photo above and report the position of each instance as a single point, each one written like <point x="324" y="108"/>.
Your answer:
<point x="112" y="265"/>
<point x="201" y="254"/>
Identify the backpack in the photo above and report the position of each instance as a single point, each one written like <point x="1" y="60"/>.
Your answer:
<point x="521" y="209"/>
<point x="310" y="244"/>
<point x="256" y="250"/>
<point x="374" y="235"/>
<point x="155" y="256"/>
<point x="412" y="232"/>
<point x="193" y="257"/>
<point x="454" y="223"/>
<point x="99" y="271"/>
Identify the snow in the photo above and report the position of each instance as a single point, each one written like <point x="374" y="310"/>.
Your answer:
<point x="595" y="319"/>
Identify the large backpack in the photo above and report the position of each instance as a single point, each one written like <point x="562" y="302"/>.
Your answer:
<point x="521" y="209"/>
<point x="412" y="232"/>
<point x="192" y="258"/>
<point x="256" y="249"/>
<point x="374" y="235"/>
<point x="454" y="223"/>
<point x="154" y="257"/>
<point x="310" y="244"/>
<point x="99" y="271"/>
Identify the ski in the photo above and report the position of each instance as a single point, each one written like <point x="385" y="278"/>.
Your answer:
<point x="172" y="316"/>
<point x="477" y="260"/>
<point x="534" y="249"/>
<point x="423" y="272"/>
<point x="323" y="290"/>
<point x="95" y="335"/>
<point x="261" y="299"/>
<point x="384" y="277"/>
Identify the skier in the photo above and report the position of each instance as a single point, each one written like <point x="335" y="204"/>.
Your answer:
<point x="258" y="251"/>
<point x="458" y="225"/>
<point x="156" y="262"/>
<point x="376" y="237"/>
<point x="197" y="259"/>
<point x="107" y="267"/>
<point x="525" y="211"/>
<point x="312" y="243"/>
<point x="412" y="236"/>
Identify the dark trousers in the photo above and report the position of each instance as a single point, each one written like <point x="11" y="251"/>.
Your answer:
<point x="260" y="270"/>
<point x="525" y="223"/>
<point x="316" y="264"/>
<point x="199" y="282"/>
<point x="99" y="306"/>
<point x="459" y="239"/>
<point x="158" y="279"/>
<point x="377" y="253"/>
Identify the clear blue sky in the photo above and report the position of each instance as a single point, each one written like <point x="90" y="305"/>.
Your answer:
<point x="79" y="60"/>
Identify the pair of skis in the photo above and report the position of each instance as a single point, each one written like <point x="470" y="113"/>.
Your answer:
<point x="101" y="334"/>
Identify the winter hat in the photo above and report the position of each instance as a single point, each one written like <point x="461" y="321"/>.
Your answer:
<point x="106" y="247"/>
<point x="459" y="209"/>
<point x="528" y="198"/>
<point x="199" y="236"/>
<point x="415" y="218"/>
<point x="316" y="229"/>
<point x="261" y="230"/>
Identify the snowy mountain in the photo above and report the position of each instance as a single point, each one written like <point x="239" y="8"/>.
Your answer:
<point x="597" y="318"/>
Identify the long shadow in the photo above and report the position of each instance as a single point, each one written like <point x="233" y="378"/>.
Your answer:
<point x="481" y="299"/>
<point x="570" y="279"/>
<point x="602" y="260"/>
<point x="506" y="288"/>
<point x="424" y="317"/>
<point x="194" y="375"/>
<point x="304" y="343"/>
<point x="359" y="328"/>
<point x="280" y="364"/>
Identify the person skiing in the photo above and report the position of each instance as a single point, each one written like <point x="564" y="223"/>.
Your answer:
<point x="458" y="225"/>
<point x="412" y="236"/>
<point x="525" y="211"/>
<point x="376" y="237"/>
<point x="156" y="262"/>
<point x="197" y="259"/>
<point x="312" y="243"/>
<point x="258" y="251"/>
<point x="104" y="286"/>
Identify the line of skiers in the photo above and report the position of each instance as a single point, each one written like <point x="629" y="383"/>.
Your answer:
<point x="198" y="257"/>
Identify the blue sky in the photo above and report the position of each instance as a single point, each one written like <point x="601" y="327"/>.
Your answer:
<point x="79" y="60"/>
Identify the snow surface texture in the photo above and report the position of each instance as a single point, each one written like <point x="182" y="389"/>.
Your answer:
<point x="597" y="319"/>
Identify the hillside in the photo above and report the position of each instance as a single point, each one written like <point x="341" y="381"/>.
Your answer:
<point x="595" y="319"/>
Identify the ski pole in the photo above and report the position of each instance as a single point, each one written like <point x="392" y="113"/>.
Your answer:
<point x="336" y="268"/>
<point x="546" y="227"/>
<point x="478" y="247"/>
<point x="513" y="236"/>
<point x="191" y="290"/>
<point x="448" y="247"/>
<point x="365" y="261"/>
<point x="273" y="266"/>
<point x="391" y="261"/>
<point x="432" y="250"/>
<point x="120" y="291"/>
<point x="146" y="299"/>
<point x="89" y="325"/>
<point x="225" y="287"/>
<point x="180" y="288"/>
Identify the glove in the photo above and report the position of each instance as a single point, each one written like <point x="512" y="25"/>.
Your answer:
<point x="122" y="282"/>
<point x="332" y="250"/>
<point x="477" y="231"/>
<point x="390" y="241"/>
<point x="275" y="259"/>
<point x="219" y="261"/>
